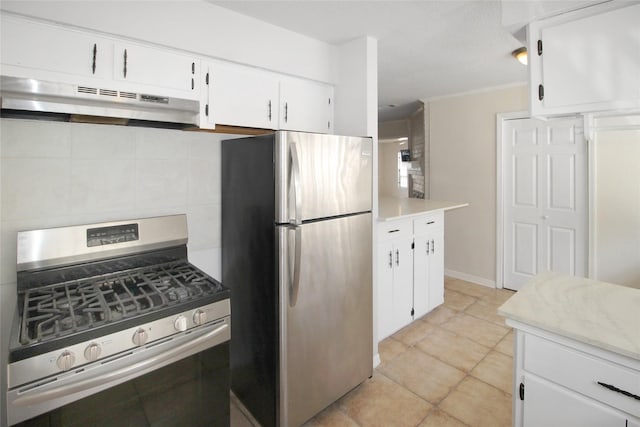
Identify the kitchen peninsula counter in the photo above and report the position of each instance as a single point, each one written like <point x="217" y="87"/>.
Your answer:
<point x="600" y="314"/>
<point x="391" y="208"/>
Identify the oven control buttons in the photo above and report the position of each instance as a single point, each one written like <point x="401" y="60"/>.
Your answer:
<point x="140" y="337"/>
<point x="180" y="323"/>
<point x="65" y="360"/>
<point x="92" y="352"/>
<point x="199" y="317"/>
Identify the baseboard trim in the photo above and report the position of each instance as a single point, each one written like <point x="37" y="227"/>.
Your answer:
<point x="376" y="360"/>
<point x="470" y="278"/>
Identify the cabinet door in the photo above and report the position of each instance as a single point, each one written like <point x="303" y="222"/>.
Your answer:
<point x="402" y="282"/>
<point x="47" y="51"/>
<point x="243" y="96"/>
<point x="306" y="105"/>
<point x="585" y="61"/>
<point x="151" y="67"/>
<point x="546" y="404"/>
<point x="436" y="268"/>
<point x="421" y="274"/>
<point x="385" y="290"/>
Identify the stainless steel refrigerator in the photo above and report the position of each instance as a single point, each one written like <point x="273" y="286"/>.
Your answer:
<point x="296" y="254"/>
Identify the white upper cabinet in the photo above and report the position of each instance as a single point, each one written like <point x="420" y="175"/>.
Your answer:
<point x="306" y="105"/>
<point x="149" y="66"/>
<point x="238" y="95"/>
<point x="60" y="54"/>
<point x="30" y="49"/>
<point x="585" y="61"/>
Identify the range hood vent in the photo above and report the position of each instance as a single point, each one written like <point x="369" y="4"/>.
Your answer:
<point x="22" y="94"/>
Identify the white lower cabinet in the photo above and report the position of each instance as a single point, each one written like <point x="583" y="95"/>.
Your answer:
<point x="395" y="273"/>
<point x="561" y="382"/>
<point x="428" y="280"/>
<point x="410" y="264"/>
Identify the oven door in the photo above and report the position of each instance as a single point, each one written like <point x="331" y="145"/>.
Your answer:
<point x="182" y="380"/>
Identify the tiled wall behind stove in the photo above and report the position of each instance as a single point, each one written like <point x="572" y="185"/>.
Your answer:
<point x="56" y="174"/>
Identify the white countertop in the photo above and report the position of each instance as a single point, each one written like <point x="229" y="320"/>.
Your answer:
<point x="390" y="208"/>
<point x="597" y="313"/>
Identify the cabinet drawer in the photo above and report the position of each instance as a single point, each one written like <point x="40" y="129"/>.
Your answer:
<point x="582" y="372"/>
<point x="394" y="229"/>
<point x="425" y="224"/>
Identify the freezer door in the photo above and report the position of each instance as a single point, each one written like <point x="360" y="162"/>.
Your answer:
<point x="321" y="176"/>
<point x="326" y="320"/>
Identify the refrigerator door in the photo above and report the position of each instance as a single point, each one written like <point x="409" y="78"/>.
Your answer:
<point x="326" y="322"/>
<point x="321" y="176"/>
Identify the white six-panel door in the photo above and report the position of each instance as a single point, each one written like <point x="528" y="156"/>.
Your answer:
<point x="545" y="199"/>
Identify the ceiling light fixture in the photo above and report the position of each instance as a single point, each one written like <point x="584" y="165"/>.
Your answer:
<point x="521" y="55"/>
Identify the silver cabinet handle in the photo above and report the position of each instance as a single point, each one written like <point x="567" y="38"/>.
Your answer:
<point x="286" y="112"/>
<point x="297" y="190"/>
<point x="269" y="114"/>
<point x="390" y="259"/>
<point x="427" y="248"/>
<point x="397" y="257"/>
<point x="192" y="346"/>
<point x="433" y="246"/>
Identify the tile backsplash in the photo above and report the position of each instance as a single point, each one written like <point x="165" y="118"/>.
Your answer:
<point x="57" y="174"/>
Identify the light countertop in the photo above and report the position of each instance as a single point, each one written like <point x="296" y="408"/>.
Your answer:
<point x="390" y="208"/>
<point x="597" y="313"/>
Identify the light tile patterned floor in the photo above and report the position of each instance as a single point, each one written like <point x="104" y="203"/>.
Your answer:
<point x="451" y="368"/>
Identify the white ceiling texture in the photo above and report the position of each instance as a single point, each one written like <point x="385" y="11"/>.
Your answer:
<point x="426" y="48"/>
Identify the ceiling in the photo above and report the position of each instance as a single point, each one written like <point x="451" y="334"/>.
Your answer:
<point x="426" y="48"/>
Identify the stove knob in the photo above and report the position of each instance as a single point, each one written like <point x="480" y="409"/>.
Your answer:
<point x="92" y="352"/>
<point x="180" y="323"/>
<point x="65" y="360"/>
<point x="140" y="337"/>
<point x="199" y="317"/>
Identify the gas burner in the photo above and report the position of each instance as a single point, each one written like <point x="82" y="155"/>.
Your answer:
<point x="77" y="305"/>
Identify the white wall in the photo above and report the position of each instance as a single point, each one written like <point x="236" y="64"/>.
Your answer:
<point x="462" y="139"/>
<point x="56" y="174"/>
<point x="196" y="26"/>
<point x="617" y="203"/>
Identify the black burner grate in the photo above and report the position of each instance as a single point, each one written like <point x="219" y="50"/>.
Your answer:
<point x="66" y="308"/>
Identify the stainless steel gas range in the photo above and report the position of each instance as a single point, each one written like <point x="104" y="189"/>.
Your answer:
<point x="114" y="313"/>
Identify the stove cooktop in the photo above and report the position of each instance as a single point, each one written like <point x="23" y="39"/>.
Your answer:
<point x="63" y="313"/>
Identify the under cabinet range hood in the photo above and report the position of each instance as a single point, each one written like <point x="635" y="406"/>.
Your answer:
<point x="24" y="94"/>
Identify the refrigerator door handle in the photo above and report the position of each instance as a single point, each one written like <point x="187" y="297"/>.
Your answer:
<point x="297" y="190"/>
<point x="294" y="281"/>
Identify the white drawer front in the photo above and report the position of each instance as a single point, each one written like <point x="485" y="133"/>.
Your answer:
<point x="427" y="223"/>
<point x="582" y="372"/>
<point x="394" y="229"/>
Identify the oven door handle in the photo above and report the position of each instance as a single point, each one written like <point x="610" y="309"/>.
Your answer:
<point x="188" y="348"/>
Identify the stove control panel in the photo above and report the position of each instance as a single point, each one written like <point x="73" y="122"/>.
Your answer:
<point x="104" y="347"/>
